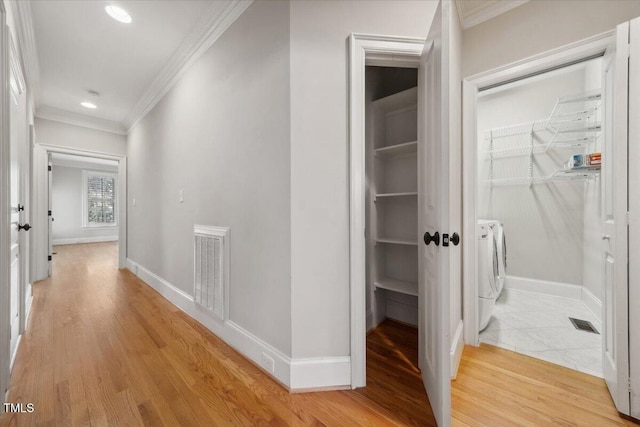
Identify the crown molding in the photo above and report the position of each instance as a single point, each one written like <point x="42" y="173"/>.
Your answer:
<point x="472" y="13"/>
<point x="211" y="26"/>
<point x="27" y="46"/>
<point x="63" y="116"/>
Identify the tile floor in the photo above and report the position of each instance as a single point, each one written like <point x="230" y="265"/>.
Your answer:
<point x="538" y="325"/>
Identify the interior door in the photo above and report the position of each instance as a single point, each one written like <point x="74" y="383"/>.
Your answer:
<point x="634" y="209"/>
<point x="16" y="213"/>
<point x="615" y="345"/>
<point x="433" y="211"/>
<point x="50" y="212"/>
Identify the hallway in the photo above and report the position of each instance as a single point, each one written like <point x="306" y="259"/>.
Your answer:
<point x="103" y="348"/>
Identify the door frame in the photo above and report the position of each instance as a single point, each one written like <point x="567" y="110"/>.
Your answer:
<point x="546" y="61"/>
<point x="5" y="204"/>
<point x="41" y="156"/>
<point x="365" y="49"/>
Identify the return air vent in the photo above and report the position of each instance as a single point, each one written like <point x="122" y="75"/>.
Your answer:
<point x="584" y="325"/>
<point x="211" y="269"/>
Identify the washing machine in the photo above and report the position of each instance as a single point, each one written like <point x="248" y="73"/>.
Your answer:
<point x="492" y="267"/>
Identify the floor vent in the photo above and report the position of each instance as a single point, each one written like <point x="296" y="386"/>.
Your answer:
<point x="211" y="269"/>
<point x="584" y="325"/>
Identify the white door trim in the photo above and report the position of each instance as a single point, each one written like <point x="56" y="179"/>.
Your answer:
<point x="5" y="231"/>
<point x="365" y="50"/>
<point x="41" y="238"/>
<point x="556" y="58"/>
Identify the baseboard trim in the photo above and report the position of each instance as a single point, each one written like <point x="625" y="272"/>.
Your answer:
<point x="77" y="240"/>
<point x="297" y="375"/>
<point x="558" y="289"/>
<point x="457" y="346"/>
<point x="320" y="373"/>
<point x="592" y="303"/>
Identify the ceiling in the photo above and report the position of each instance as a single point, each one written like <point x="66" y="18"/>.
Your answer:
<point x="81" y="48"/>
<point x="474" y="12"/>
<point x="73" y="47"/>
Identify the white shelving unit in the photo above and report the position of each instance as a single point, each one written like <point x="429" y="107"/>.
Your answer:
<point x="392" y="220"/>
<point x="573" y="123"/>
<point x="400" y="286"/>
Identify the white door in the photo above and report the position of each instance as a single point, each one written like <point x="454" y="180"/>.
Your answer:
<point x="50" y="213"/>
<point x="16" y="145"/>
<point x="433" y="187"/>
<point x="615" y="344"/>
<point x="634" y="209"/>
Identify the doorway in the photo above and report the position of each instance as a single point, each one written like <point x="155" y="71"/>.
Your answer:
<point x="545" y="198"/>
<point x="91" y="197"/>
<point x="83" y="201"/>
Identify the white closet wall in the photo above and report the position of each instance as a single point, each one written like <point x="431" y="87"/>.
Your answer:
<point x="550" y="227"/>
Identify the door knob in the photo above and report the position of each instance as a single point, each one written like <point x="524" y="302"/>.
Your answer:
<point x="455" y="239"/>
<point x="20" y="207"/>
<point x="428" y="238"/>
<point x="606" y="237"/>
<point x="25" y="227"/>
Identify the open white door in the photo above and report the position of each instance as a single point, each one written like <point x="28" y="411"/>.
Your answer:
<point x="615" y="344"/>
<point x="634" y="210"/>
<point x="19" y="227"/>
<point x="49" y="213"/>
<point x="433" y="211"/>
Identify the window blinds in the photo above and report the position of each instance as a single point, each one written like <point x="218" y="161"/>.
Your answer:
<point x="101" y="199"/>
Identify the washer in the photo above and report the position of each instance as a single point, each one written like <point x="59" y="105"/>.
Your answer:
<point x="491" y="267"/>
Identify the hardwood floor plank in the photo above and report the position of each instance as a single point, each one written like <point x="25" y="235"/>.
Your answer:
<point x="103" y="349"/>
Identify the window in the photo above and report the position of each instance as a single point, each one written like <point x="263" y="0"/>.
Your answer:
<point x="99" y="195"/>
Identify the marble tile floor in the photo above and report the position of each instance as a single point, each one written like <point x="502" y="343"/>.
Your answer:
<point x="538" y="325"/>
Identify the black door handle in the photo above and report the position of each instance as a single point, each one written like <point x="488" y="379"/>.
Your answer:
<point x="20" y="207"/>
<point x="455" y="239"/>
<point x="25" y="227"/>
<point x="428" y="238"/>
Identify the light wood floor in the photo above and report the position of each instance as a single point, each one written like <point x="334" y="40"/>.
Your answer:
<point x="102" y="348"/>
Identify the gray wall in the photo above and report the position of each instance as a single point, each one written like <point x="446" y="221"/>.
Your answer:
<point x="544" y="223"/>
<point x="539" y="26"/>
<point x="222" y="135"/>
<point x="320" y="159"/>
<point x="66" y="192"/>
<point x="78" y="137"/>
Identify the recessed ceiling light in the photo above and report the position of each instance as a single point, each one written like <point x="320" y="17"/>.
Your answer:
<point x="89" y="105"/>
<point x="119" y="14"/>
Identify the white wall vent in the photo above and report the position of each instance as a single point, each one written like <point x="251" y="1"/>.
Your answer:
<point x="211" y="269"/>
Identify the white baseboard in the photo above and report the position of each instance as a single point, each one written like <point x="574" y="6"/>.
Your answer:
<point x="320" y="373"/>
<point x="370" y="323"/>
<point x="28" y="304"/>
<point x="457" y="346"/>
<point x="77" y="240"/>
<point x="558" y="289"/>
<point x="295" y="374"/>
<point x="592" y="303"/>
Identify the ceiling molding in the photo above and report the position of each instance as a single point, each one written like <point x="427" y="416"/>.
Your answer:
<point x="472" y="13"/>
<point x="62" y="116"/>
<point x="210" y="27"/>
<point x="27" y="46"/>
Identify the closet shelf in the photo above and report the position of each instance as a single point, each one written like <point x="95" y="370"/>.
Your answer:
<point x="388" y="195"/>
<point x="572" y="122"/>
<point x="397" y="241"/>
<point x="583" y="172"/>
<point x="400" y="286"/>
<point x="397" y="149"/>
<point x="576" y="174"/>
